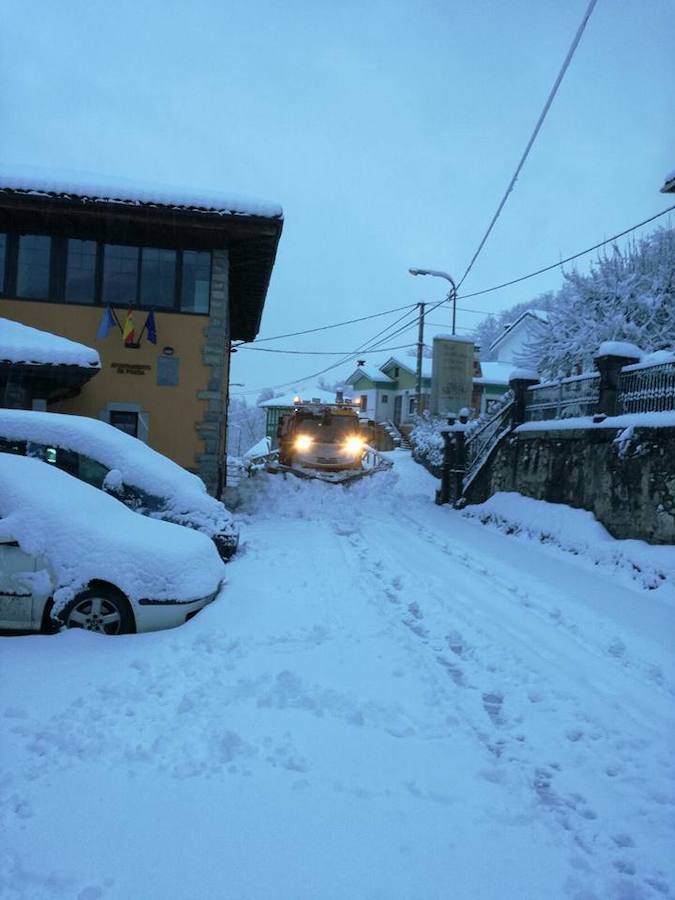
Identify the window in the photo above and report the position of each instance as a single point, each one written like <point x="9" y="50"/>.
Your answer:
<point x="411" y="406"/>
<point x="158" y="277"/>
<point x="364" y="402"/>
<point x="395" y="371"/>
<point x="120" y="274"/>
<point x="32" y="279"/>
<point x="3" y="253"/>
<point x="196" y="281"/>
<point x="384" y="398"/>
<point x="125" y="421"/>
<point x="80" y="271"/>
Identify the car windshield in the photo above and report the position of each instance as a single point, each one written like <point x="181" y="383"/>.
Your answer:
<point x="77" y="464"/>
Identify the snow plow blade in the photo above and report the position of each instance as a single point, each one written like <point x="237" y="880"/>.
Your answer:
<point x="346" y="476"/>
<point x="373" y="462"/>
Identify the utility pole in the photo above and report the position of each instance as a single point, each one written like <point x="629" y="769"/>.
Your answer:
<point x="420" y="355"/>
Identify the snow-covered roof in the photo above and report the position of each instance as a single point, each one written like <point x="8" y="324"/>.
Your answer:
<point x="409" y="363"/>
<point x="374" y="373"/>
<point x="120" y="190"/>
<point x="30" y="346"/>
<point x="140" y="466"/>
<point x="84" y="534"/>
<point x="494" y="373"/>
<point x="669" y="183"/>
<point x="287" y="400"/>
<point x="538" y="315"/>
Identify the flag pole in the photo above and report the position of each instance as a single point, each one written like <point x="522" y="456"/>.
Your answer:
<point x="117" y="321"/>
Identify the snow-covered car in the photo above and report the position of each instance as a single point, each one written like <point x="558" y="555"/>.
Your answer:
<point x="123" y="466"/>
<point x="71" y="554"/>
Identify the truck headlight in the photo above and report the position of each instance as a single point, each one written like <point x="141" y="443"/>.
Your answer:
<point x="354" y="445"/>
<point x="303" y="442"/>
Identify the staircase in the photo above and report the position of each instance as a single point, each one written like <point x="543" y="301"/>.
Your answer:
<point x="399" y="438"/>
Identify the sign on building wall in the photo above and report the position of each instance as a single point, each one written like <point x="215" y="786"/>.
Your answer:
<point x="451" y="374"/>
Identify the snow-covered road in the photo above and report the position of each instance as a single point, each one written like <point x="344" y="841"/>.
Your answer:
<point x="389" y="700"/>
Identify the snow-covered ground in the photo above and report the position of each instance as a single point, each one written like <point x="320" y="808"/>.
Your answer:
<point x="389" y="700"/>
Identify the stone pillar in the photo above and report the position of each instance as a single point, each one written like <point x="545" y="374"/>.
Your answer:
<point x="519" y="382"/>
<point x="451" y="374"/>
<point x="454" y="460"/>
<point x="609" y="366"/>
<point x="211" y="464"/>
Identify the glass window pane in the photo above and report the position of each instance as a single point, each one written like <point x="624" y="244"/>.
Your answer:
<point x="125" y="421"/>
<point x="120" y="274"/>
<point x="81" y="271"/>
<point x="32" y="279"/>
<point x="3" y="253"/>
<point x="196" y="281"/>
<point x="158" y="277"/>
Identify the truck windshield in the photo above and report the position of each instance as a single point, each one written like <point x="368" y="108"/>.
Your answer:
<point x="328" y="429"/>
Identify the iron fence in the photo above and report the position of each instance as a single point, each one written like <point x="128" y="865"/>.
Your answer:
<point x="564" y="399"/>
<point x="646" y="388"/>
<point x="481" y="440"/>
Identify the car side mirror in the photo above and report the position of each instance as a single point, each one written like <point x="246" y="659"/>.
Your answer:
<point x="113" y="482"/>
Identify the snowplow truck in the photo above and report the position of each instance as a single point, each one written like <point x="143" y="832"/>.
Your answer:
<point x="321" y="438"/>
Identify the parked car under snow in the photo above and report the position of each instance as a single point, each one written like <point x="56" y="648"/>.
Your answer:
<point x="123" y="466"/>
<point x="70" y="553"/>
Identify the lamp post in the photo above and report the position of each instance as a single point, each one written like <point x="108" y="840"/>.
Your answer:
<point x="452" y="294"/>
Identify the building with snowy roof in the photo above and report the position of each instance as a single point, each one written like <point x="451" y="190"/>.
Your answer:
<point x="388" y="392"/>
<point x="516" y="336"/>
<point x="37" y="367"/>
<point x="669" y="183"/>
<point x="160" y="280"/>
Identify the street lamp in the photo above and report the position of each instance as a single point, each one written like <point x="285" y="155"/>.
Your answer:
<point x="452" y="293"/>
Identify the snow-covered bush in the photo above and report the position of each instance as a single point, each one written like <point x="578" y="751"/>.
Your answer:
<point x="427" y="442"/>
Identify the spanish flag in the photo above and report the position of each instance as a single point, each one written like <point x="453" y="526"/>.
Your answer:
<point x="129" y="332"/>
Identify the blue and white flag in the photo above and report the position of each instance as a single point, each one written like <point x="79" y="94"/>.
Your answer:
<point x="107" y="322"/>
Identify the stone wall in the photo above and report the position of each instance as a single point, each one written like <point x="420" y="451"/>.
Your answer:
<point x="215" y="354"/>
<point x="628" y="485"/>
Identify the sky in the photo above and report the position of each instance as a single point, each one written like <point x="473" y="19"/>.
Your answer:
<point x="388" y="132"/>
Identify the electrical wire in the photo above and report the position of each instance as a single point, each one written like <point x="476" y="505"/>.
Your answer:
<point x="562" y="262"/>
<point x="278" y="337"/>
<point x="533" y="137"/>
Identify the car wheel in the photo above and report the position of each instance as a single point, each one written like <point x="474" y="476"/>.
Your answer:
<point x="99" y="609"/>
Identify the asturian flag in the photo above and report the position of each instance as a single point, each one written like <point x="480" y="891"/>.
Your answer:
<point x="107" y="322"/>
<point x="129" y="332"/>
<point x="151" y="328"/>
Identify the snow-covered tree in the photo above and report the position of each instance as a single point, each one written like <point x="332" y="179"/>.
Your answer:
<point x="628" y="295"/>
<point x="245" y="424"/>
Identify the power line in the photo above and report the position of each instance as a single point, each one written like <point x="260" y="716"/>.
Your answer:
<point x="562" y="262"/>
<point x="533" y="137"/>
<point x="317" y="352"/>
<point x="278" y="337"/>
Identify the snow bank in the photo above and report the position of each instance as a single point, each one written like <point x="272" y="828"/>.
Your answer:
<point x="657" y="358"/>
<point x="85" y="534"/>
<point x="122" y="190"/>
<point x="187" y="501"/>
<point x="636" y="420"/>
<point x="23" y="344"/>
<point x="618" y="348"/>
<point x="576" y="531"/>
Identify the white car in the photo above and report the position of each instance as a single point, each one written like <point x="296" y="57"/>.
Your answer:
<point x="70" y="555"/>
<point x="123" y="466"/>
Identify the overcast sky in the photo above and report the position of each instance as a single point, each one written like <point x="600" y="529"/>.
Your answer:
<point x="387" y="131"/>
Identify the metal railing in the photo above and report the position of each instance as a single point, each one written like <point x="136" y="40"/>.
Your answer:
<point x="481" y="440"/>
<point x="646" y="388"/>
<point x="564" y="399"/>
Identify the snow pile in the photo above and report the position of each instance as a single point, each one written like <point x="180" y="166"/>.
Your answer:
<point x="131" y="462"/>
<point x="261" y="448"/>
<point x="85" y="535"/>
<point x="577" y="531"/>
<point x="23" y="344"/>
<point x="636" y="420"/>
<point x="657" y="358"/>
<point x="618" y="348"/>
<point x="121" y="190"/>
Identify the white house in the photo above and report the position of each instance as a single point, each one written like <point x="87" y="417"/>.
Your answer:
<point x="511" y="343"/>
